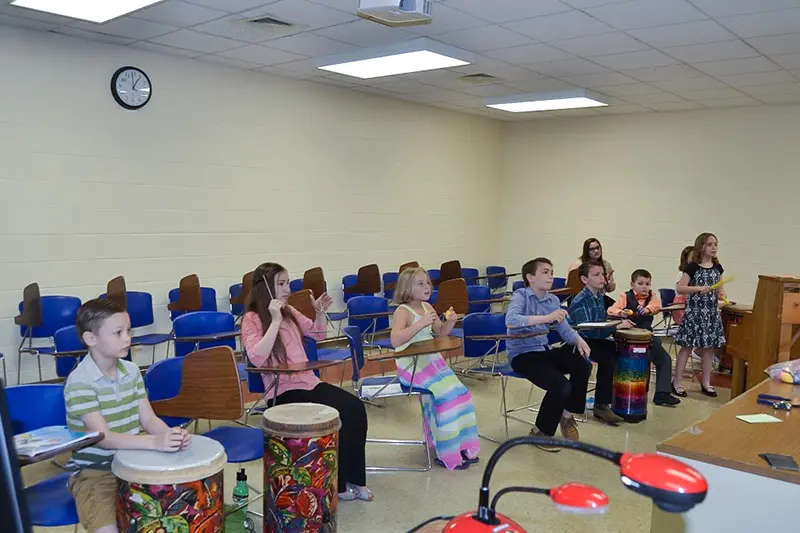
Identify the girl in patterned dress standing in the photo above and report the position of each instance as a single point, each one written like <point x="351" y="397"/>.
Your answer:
<point x="701" y="326"/>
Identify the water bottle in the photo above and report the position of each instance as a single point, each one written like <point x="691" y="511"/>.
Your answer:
<point x="590" y="403"/>
<point x="241" y="494"/>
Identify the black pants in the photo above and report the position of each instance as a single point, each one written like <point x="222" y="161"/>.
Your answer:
<point x="352" y="436"/>
<point x="546" y="370"/>
<point x="604" y="353"/>
<point x="663" y="363"/>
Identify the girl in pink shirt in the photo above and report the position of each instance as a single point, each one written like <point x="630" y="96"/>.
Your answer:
<point x="272" y="333"/>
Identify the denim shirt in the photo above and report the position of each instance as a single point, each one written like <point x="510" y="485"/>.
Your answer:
<point x="525" y="303"/>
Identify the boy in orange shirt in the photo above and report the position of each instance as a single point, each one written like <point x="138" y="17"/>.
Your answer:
<point x="639" y="305"/>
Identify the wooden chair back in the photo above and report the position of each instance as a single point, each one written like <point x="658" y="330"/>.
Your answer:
<point x="449" y="270"/>
<point x="452" y="293"/>
<point x="404" y="266"/>
<point x="31" y="315"/>
<point x="368" y="282"/>
<point x="314" y="280"/>
<point x="117" y="292"/>
<point x="210" y="387"/>
<point x="189" y="295"/>
<point x="301" y="300"/>
<point x="247" y="286"/>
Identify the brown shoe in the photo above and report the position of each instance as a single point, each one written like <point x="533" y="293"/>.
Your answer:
<point x="545" y="448"/>
<point x="607" y="415"/>
<point x="569" y="429"/>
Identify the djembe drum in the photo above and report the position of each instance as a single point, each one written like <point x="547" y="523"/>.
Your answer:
<point x="630" y="380"/>
<point x="301" y="463"/>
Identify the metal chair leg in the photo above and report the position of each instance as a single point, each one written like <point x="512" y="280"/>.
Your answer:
<point x="401" y="442"/>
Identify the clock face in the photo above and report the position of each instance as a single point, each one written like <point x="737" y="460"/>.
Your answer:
<point x="131" y="88"/>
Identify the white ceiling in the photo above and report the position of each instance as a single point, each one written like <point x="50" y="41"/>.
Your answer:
<point x="644" y="55"/>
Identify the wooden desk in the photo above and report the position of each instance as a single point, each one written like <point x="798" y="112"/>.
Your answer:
<point x="745" y="495"/>
<point x="288" y="368"/>
<point x="436" y="344"/>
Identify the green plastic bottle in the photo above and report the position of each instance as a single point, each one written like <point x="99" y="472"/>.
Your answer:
<point x="241" y="494"/>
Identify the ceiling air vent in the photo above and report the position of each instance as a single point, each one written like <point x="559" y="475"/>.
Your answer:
<point x="480" y="77"/>
<point x="270" y="21"/>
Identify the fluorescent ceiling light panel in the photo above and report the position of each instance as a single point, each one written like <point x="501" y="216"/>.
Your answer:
<point x="527" y="103"/>
<point x="92" y="10"/>
<point x="402" y="58"/>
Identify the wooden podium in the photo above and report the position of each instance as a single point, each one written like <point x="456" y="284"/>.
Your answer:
<point x="765" y="335"/>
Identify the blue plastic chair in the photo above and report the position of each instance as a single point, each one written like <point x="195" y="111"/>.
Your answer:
<point x="3" y="360"/>
<point x="348" y="281"/>
<point x="67" y="340"/>
<point x="163" y="381"/>
<point x="140" y="311"/>
<point x="497" y="283"/>
<point x="364" y="305"/>
<point x="478" y="292"/>
<point x="389" y="278"/>
<point x="559" y="283"/>
<point x="203" y="323"/>
<point x="296" y="285"/>
<point x="665" y="327"/>
<point x="517" y="285"/>
<point x="434" y="296"/>
<point x="470" y="275"/>
<point x="667" y="296"/>
<point x="57" y="312"/>
<point x="208" y="301"/>
<point x="482" y="323"/>
<point x="353" y="334"/>
<point x="433" y="274"/>
<point x="235" y="291"/>
<point x="50" y="503"/>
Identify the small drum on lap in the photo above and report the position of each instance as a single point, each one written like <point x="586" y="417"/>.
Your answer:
<point x="633" y="367"/>
<point x="172" y="492"/>
<point x="301" y="463"/>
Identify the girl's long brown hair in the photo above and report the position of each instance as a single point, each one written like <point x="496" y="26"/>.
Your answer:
<point x="585" y="258"/>
<point x="258" y="302"/>
<point x="699" y="244"/>
<point x="686" y="258"/>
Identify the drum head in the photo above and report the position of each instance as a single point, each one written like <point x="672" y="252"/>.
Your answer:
<point x="634" y="334"/>
<point x="203" y="458"/>
<point x="300" y="420"/>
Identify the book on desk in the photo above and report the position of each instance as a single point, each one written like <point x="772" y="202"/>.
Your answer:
<point x="49" y="439"/>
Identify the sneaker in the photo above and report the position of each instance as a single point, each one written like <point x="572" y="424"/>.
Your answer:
<point x="569" y="429"/>
<point x="665" y="398"/>
<point x="544" y="447"/>
<point x="607" y="415"/>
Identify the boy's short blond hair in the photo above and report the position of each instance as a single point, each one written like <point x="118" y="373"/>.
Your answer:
<point x="404" y="285"/>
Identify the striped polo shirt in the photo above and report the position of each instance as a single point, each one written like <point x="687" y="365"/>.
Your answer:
<point x="89" y="390"/>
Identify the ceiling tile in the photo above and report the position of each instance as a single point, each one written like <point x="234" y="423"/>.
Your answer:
<point x="545" y="85"/>
<point x="446" y="20"/>
<point x="690" y="84"/>
<point x="348" y="6"/>
<point x="790" y="61"/>
<point x="668" y="72"/>
<point x="260" y="54"/>
<point x="166" y="50"/>
<point x="401" y="86"/>
<point x="129" y="27"/>
<point x="511" y="73"/>
<point x="598" y="45"/>
<point x="737" y="66"/>
<point x="92" y="36"/>
<point x="193" y="40"/>
<point x="708" y="94"/>
<point x="774" y="77"/>
<point x="781" y="99"/>
<point x="468" y="101"/>
<point x="484" y="38"/>
<point x="231" y="6"/>
<point x="330" y="81"/>
<point x="284" y="73"/>
<point x="622" y="108"/>
<point x="238" y="27"/>
<point x="442" y="95"/>
<point x="600" y="79"/>
<point x="580" y="4"/>
<point x="699" y="31"/>
<point x="177" y="13"/>
<point x="498" y="11"/>
<point x="528" y="54"/>
<point x="632" y="60"/>
<point x="567" y="67"/>
<point x="772" y="90"/>
<point x="759" y="24"/>
<point x="31" y="14"/>
<point x="730" y="102"/>
<point x="304" y="13"/>
<point x="444" y="79"/>
<point x="365" y="33"/>
<point x="309" y="44"/>
<point x="629" y="89"/>
<point x="30" y="24"/>
<point x="559" y="26"/>
<point x="674" y="106"/>
<point x="490" y="90"/>
<point x="726" y="8"/>
<point x="698" y="53"/>
<point x="777" y="44"/>
<point x="647" y="99"/>
<point x="247" y="65"/>
<point x="646" y="13"/>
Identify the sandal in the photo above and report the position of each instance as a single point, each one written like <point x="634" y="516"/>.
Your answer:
<point x="470" y="460"/>
<point x="461" y="466"/>
<point x="354" y="492"/>
<point x="708" y="391"/>
<point x="682" y="392"/>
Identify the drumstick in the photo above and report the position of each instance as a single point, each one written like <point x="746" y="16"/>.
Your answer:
<point x="271" y="297"/>
<point x="721" y="282"/>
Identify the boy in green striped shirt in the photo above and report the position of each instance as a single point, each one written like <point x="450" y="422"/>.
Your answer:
<point x="105" y="393"/>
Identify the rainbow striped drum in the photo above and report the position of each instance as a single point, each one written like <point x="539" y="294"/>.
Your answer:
<point x="630" y="381"/>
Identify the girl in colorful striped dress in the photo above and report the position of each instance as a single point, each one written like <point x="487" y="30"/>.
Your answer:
<point x="449" y="415"/>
